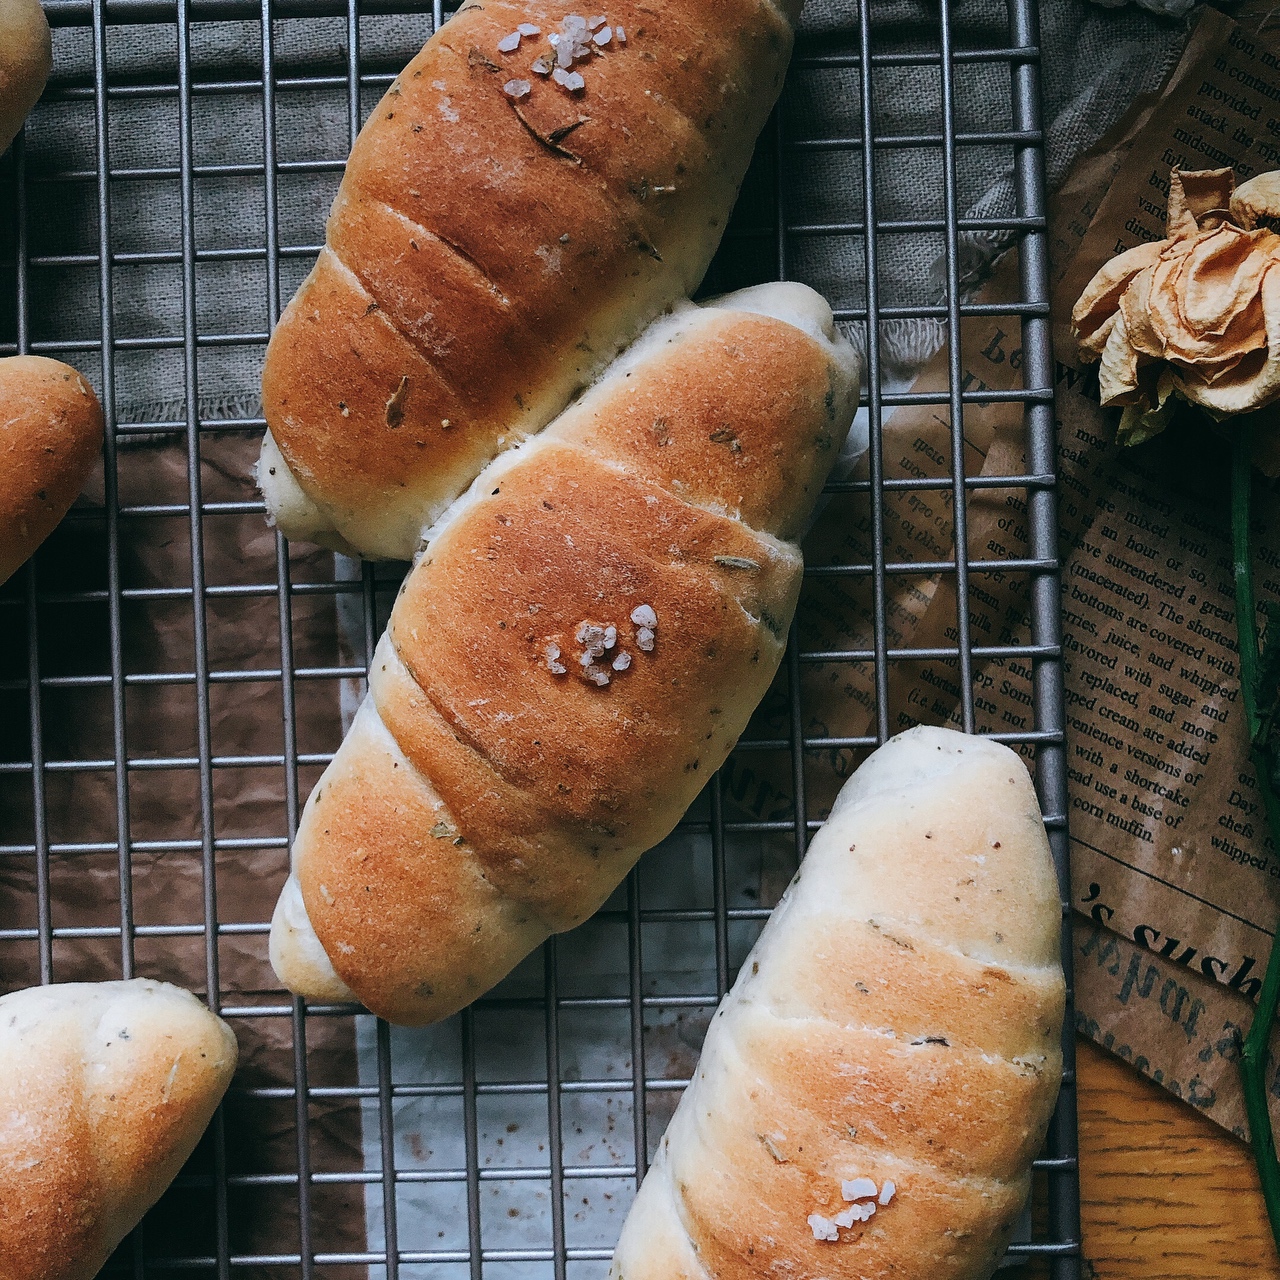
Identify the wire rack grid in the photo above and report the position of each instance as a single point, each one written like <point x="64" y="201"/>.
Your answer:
<point x="336" y="1190"/>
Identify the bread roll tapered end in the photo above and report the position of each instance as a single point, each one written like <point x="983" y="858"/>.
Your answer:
<point x="105" y="1089"/>
<point x="873" y="1090"/>
<point x="50" y="435"/>
<point x="26" y="57"/>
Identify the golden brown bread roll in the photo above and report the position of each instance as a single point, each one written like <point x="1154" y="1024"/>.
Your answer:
<point x="26" y="56"/>
<point x="50" y="435"/>
<point x="488" y="253"/>
<point x="105" y="1089"/>
<point x="874" y="1088"/>
<point x="575" y="655"/>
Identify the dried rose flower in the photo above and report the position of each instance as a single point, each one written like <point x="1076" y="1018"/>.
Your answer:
<point x="1196" y="315"/>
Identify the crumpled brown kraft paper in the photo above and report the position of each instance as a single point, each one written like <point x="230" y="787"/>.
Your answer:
<point x="246" y="719"/>
<point x="1171" y="864"/>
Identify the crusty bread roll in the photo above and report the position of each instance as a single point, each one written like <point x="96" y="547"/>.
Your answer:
<point x="50" y="435"/>
<point x="489" y="253"/>
<point x="575" y="655"/>
<point x="105" y="1089"/>
<point x="26" y="56"/>
<point x="874" y="1088"/>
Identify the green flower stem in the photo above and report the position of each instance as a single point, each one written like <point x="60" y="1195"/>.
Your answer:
<point x="1253" y="1058"/>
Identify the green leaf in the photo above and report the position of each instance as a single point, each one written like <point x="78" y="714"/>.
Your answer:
<point x="1139" y="424"/>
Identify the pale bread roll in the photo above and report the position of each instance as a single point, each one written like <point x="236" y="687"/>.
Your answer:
<point x="487" y="255"/>
<point x="26" y="56"/>
<point x="492" y="789"/>
<point x="50" y="438"/>
<point x="899" y="1020"/>
<point x="105" y="1089"/>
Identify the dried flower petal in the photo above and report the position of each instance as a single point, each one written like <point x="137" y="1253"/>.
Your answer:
<point x="1197" y="314"/>
<point x="1133" y="307"/>
<point x="1257" y="203"/>
<point x="1118" y="370"/>
<point x="1092" y="314"/>
<point x="1194" y="194"/>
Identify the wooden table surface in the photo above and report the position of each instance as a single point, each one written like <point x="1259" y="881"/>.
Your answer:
<point x="1165" y="1194"/>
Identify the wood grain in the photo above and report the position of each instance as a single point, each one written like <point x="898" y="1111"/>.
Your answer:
<point x="1165" y="1194"/>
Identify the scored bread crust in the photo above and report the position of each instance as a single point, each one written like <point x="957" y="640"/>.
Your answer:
<point x="105" y="1089"/>
<point x="483" y="799"/>
<point x="50" y="438"/>
<point x="899" y="1019"/>
<point x="485" y="258"/>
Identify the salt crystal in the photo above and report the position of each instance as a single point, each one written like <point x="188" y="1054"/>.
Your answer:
<point x="558" y="668"/>
<point x="596" y="676"/>
<point x="528" y="29"/>
<point x="541" y="66"/>
<point x="603" y="36"/>
<point x="554" y="39"/>
<point x="509" y="44"/>
<point x="644" y="639"/>
<point x="610" y="636"/>
<point x="643" y="616"/>
<point x="855" y="1213"/>
<point x="594" y="638"/>
<point x="586" y="657"/>
<point x="621" y="33"/>
<point x="858" y="1189"/>
<point x="517" y="89"/>
<point x="622" y="662"/>
<point x="552" y="651"/>
<point x="822" y="1228"/>
<point x="571" y="80"/>
<point x="887" y="1191"/>
<point x="597" y="21"/>
<point x="564" y="53"/>
<point x="573" y="22"/>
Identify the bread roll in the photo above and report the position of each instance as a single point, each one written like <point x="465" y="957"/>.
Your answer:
<point x="899" y="1022"/>
<point x="488" y="254"/>
<point x="50" y="435"/>
<point x="493" y="788"/>
<point x="105" y="1089"/>
<point x="26" y="56"/>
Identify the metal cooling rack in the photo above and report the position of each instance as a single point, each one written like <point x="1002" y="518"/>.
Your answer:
<point x="201" y="1232"/>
